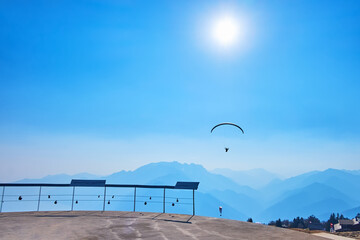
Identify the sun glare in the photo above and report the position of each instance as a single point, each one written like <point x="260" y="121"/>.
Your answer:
<point x="225" y="31"/>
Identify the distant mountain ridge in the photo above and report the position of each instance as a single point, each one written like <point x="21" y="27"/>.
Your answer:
<point x="60" y="178"/>
<point x="254" y="178"/>
<point x="316" y="192"/>
<point x="305" y="199"/>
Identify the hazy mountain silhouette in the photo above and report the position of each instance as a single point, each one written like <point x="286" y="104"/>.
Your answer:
<point x="254" y="178"/>
<point x="170" y="172"/>
<point x="340" y="180"/>
<point x="60" y="178"/>
<point x="317" y="199"/>
<point x="350" y="213"/>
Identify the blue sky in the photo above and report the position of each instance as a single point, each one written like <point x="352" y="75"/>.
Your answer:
<point x="101" y="86"/>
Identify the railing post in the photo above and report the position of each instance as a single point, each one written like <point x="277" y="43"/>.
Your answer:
<point x="134" y="198"/>
<point x="104" y="198"/>
<point x="2" y="198"/>
<point x="38" y="208"/>
<point x="193" y="202"/>
<point x="72" y="202"/>
<point x="164" y="202"/>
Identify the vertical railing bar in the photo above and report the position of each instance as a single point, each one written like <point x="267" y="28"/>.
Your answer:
<point x="38" y="207"/>
<point x="2" y="198"/>
<point x="193" y="202"/>
<point x="72" y="202"/>
<point x="104" y="198"/>
<point x="134" y="198"/>
<point x="164" y="202"/>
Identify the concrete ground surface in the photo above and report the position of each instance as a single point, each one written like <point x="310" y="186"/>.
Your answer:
<point x="91" y="225"/>
<point x="331" y="236"/>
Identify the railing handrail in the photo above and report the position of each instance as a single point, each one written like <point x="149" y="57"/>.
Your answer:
<point x="70" y="185"/>
<point x="190" y="186"/>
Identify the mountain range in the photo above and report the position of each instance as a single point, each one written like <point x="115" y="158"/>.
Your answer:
<point x="242" y="194"/>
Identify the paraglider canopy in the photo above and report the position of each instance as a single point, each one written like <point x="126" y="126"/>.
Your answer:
<point x="227" y="123"/>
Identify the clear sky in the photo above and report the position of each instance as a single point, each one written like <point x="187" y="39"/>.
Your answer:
<point x="101" y="86"/>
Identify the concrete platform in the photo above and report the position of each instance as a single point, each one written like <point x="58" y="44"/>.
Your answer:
<point x="134" y="225"/>
<point x="332" y="236"/>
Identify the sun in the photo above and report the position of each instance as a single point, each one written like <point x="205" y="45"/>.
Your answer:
<point x="225" y="31"/>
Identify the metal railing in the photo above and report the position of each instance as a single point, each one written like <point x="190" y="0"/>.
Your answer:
<point x="104" y="198"/>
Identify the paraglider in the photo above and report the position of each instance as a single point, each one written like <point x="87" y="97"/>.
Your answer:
<point x="227" y="123"/>
<point x="220" y="210"/>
